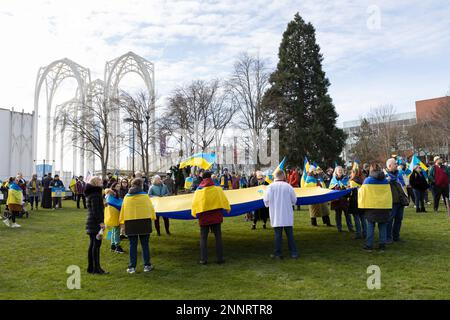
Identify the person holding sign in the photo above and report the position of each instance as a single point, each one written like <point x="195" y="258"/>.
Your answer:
<point x="57" y="187"/>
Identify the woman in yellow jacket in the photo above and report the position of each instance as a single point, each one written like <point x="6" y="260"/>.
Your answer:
<point x="136" y="215"/>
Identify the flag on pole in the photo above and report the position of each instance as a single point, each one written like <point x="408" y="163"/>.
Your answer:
<point x="416" y="161"/>
<point x="271" y="177"/>
<point x="305" y="172"/>
<point x="201" y="160"/>
<point x="88" y="176"/>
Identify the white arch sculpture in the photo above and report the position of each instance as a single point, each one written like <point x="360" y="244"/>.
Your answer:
<point x="115" y="70"/>
<point x="51" y="76"/>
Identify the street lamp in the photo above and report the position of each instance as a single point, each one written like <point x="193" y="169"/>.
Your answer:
<point x="133" y="121"/>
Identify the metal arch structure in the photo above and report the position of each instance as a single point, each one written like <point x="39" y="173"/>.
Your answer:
<point x="94" y="88"/>
<point x="115" y="70"/>
<point x="51" y="76"/>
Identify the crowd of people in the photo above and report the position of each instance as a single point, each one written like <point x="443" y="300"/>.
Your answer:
<point x="378" y="197"/>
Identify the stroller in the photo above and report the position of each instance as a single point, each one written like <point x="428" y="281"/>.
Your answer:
<point x="20" y="214"/>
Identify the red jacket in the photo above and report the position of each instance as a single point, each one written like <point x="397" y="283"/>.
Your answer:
<point x="294" y="179"/>
<point x="209" y="217"/>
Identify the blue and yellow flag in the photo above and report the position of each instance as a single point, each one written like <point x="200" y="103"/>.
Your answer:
<point x="58" y="192"/>
<point x="375" y="194"/>
<point x="201" y="160"/>
<point x="241" y="201"/>
<point x="271" y="177"/>
<point x="188" y="183"/>
<point x="15" y="194"/>
<point x="356" y="167"/>
<point x="305" y="172"/>
<point x="416" y="161"/>
<point x="209" y="198"/>
<point x="341" y="184"/>
<point x="116" y="175"/>
<point x="72" y="184"/>
<point x="112" y="211"/>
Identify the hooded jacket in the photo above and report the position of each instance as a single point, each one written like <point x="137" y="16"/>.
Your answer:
<point x="95" y="214"/>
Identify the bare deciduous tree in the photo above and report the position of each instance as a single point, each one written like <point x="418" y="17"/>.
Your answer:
<point x="203" y="110"/>
<point x="92" y="123"/>
<point x="248" y="83"/>
<point x="137" y="110"/>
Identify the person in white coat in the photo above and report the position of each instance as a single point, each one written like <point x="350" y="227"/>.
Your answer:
<point x="280" y="197"/>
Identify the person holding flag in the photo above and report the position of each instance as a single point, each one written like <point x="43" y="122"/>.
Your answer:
<point x="320" y="209"/>
<point x="356" y="180"/>
<point x="419" y="186"/>
<point x="340" y="182"/>
<point x="136" y="214"/>
<point x="375" y="198"/>
<point x="262" y="213"/>
<point x="14" y="203"/>
<point x="112" y="212"/>
<point x="208" y="204"/>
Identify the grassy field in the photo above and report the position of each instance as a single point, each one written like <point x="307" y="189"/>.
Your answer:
<point x="332" y="265"/>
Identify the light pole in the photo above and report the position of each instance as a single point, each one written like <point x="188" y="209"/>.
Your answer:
<point x="133" y="121"/>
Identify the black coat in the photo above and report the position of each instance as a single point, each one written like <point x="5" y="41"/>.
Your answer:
<point x="94" y="201"/>
<point x="418" y="181"/>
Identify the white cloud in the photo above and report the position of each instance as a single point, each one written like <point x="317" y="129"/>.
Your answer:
<point x="200" y="39"/>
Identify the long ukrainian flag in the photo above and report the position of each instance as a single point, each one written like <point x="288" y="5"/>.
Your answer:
<point x="202" y="160"/>
<point x="241" y="201"/>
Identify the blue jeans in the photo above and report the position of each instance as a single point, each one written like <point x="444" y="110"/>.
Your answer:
<point x="290" y="238"/>
<point x="360" y="223"/>
<point x="145" y="249"/>
<point x="371" y="233"/>
<point x="419" y="196"/>
<point x="348" y="219"/>
<point x="395" y="222"/>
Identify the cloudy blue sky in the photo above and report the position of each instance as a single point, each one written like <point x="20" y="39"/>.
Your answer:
<point x="375" y="52"/>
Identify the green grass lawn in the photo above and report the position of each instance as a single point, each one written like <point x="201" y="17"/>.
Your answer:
<point x="332" y="265"/>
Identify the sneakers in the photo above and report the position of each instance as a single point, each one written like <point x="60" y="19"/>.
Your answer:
<point x="131" y="270"/>
<point x="113" y="248"/>
<point x="119" y="250"/>
<point x="367" y="249"/>
<point x="7" y="223"/>
<point x="15" y="225"/>
<point x="221" y="261"/>
<point x="253" y="227"/>
<point x="148" y="268"/>
<point x="202" y="262"/>
<point x="382" y="247"/>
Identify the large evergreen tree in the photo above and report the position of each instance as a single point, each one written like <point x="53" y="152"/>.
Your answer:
<point x="298" y="97"/>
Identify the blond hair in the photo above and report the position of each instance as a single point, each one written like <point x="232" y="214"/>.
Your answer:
<point x="96" y="181"/>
